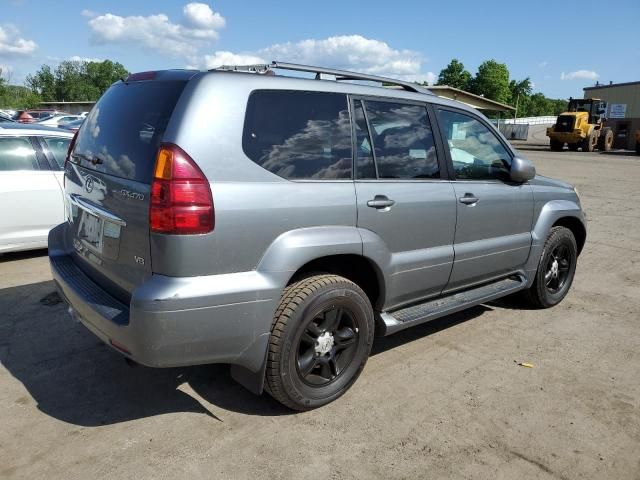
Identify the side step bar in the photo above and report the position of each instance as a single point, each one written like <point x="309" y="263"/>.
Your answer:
<point x="430" y="310"/>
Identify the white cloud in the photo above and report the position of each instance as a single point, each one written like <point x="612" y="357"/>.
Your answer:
<point x="543" y="64"/>
<point x="200" y="16"/>
<point x="220" y="58"/>
<point x="88" y="13"/>
<point x="77" y="58"/>
<point x="11" y="44"/>
<point x="579" y="74"/>
<point x="157" y="32"/>
<point x="350" y="52"/>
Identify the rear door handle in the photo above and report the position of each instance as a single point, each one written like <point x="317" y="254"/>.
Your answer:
<point x="469" y="199"/>
<point x="381" y="202"/>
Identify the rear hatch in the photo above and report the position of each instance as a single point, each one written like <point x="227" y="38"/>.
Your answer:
<point x="107" y="182"/>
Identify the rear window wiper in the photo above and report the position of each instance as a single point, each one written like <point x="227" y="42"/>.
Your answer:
<point x="94" y="160"/>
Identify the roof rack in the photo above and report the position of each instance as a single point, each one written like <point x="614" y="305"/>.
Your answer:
<point x="319" y="71"/>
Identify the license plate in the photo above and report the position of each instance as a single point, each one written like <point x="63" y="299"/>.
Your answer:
<point x="90" y="231"/>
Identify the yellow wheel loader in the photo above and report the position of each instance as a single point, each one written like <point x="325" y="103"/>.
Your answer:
<point x="581" y="126"/>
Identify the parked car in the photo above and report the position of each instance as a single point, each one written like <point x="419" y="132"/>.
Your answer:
<point x="24" y="117"/>
<point x="31" y="175"/>
<point x="6" y="118"/>
<point x="7" y="114"/>
<point x="73" y="125"/>
<point x="59" y="119"/>
<point x="279" y="230"/>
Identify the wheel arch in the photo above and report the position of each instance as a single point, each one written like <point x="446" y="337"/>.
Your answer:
<point x="359" y="269"/>
<point x="577" y="228"/>
<point x="565" y="213"/>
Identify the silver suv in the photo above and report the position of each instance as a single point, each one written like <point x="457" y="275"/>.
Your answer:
<point x="274" y="223"/>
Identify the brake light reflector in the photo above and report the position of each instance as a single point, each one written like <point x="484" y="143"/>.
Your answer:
<point x="181" y="202"/>
<point x="136" y="77"/>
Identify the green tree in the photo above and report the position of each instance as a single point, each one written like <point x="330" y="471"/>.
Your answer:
<point x="75" y="80"/>
<point x="492" y="81"/>
<point x="43" y="83"/>
<point x="102" y="74"/>
<point x="454" y="75"/>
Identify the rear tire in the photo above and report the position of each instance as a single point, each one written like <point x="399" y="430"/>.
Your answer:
<point x="589" y="143"/>
<point x="556" y="269"/>
<point x="638" y="148"/>
<point x="555" y="145"/>
<point x="605" y="141"/>
<point x="320" y="341"/>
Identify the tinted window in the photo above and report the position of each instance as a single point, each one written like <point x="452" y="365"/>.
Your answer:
<point x="122" y="132"/>
<point x="299" y="135"/>
<point x="364" y="152"/>
<point x="58" y="147"/>
<point x="476" y="152"/>
<point x="17" y="153"/>
<point x="402" y="140"/>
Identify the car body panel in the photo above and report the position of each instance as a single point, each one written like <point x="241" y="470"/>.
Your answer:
<point x="417" y="232"/>
<point x="34" y="198"/>
<point x="210" y="298"/>
<point x="493" y="236"/>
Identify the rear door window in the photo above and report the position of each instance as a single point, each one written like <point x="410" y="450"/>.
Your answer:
<point x="57" y="147"/>
<point x="402" y="140"/>
<point x="122" y="132"/>
<point x="299" y="135"/>
<point x="17" y="153"/>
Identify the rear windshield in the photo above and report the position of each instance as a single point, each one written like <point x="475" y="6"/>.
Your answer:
<point x="122" y="132"/>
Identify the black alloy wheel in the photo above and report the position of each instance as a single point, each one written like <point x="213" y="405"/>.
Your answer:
<point x="327" y="346"/>
<point x="558" y="267"/>
<point x="320" y="341"/>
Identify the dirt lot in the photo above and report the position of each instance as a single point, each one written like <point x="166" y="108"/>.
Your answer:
<point x="445" y="400"/>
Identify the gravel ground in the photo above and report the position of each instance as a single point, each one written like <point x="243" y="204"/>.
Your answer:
<point x="443" y="400"/>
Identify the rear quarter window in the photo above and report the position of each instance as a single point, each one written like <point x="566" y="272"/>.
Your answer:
<point x="57" y="147"/>
<point x="299" y="135"/>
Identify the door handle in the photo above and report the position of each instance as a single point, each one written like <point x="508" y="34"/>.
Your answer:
<point x="469" y="199"/>
<point x="381" y="202"/>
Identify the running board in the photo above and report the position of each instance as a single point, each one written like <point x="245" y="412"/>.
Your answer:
<point x="430" y="310"/>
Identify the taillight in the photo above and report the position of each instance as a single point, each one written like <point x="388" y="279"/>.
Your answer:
<point x="135" y="77"/>
<point x="181" y="202"/>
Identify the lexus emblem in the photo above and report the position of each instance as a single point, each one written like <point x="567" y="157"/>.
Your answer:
<point x="88" y="185"/>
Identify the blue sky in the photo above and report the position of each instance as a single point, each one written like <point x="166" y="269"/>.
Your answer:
<point x="562" y="46"/>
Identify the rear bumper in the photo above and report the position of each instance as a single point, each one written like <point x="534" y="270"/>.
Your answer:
<point x="174" y="321"/>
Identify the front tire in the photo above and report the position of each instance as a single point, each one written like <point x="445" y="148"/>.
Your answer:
<point x="556" y="269"/>
<point x="555" y="145"/>
<point x="320" y="341"/>
<point x="589" y="143"/>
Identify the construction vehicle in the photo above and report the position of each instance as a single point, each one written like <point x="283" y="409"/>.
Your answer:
<point x="638" y="142"/>
<point x="581" y="126"/>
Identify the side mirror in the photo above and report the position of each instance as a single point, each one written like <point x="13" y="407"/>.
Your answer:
<point x="522" y="170"/>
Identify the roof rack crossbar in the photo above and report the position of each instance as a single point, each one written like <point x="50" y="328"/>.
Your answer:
<point x="338" y="74"/>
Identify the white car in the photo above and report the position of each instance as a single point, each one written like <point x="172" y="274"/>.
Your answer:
<point x="58" y="120"/>
<point x="31" y="184"/>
